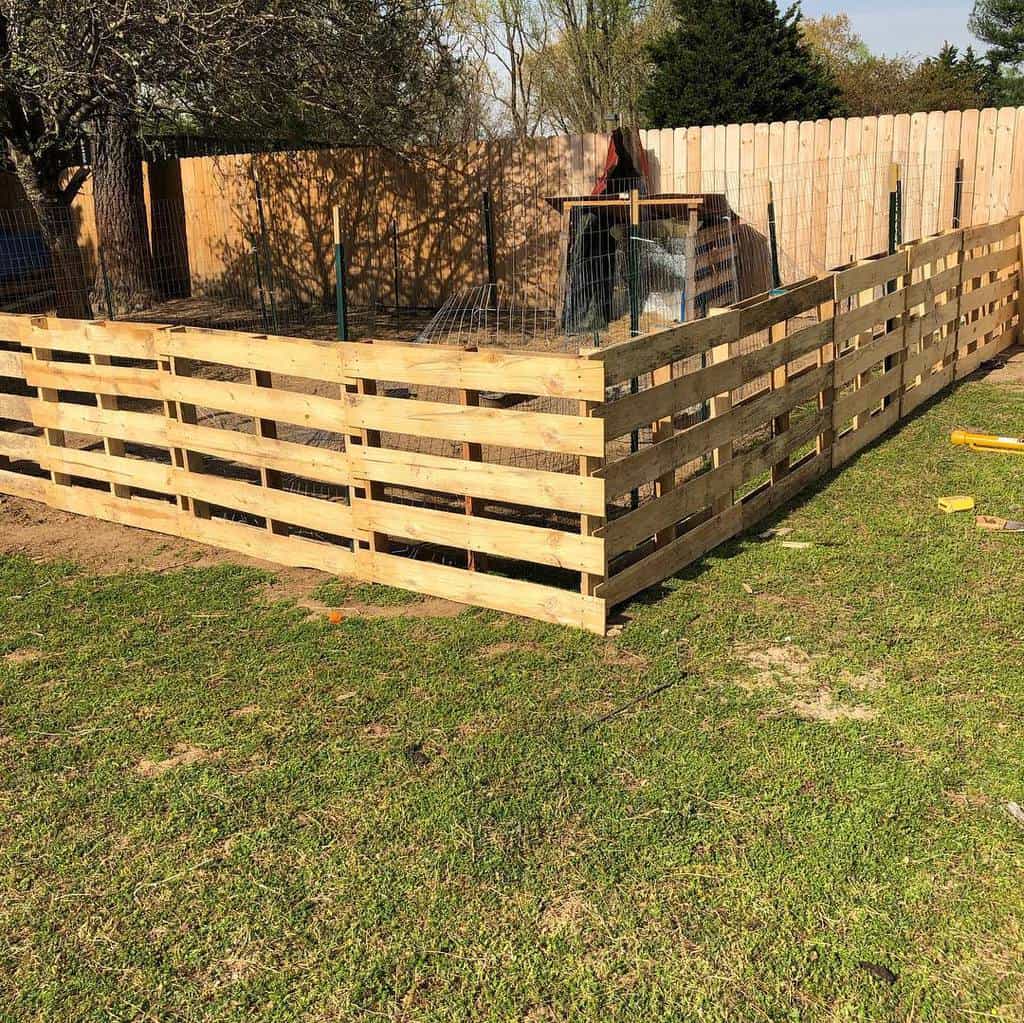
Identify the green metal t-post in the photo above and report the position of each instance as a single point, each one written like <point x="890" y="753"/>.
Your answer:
<point x="773" y="239"/>
<point x="895" y="240"/>
<point x="486" y="213"/>
<point x="341" y="299"/>
<point x="958" y="193"/>
<point x="265" y="244"/>
<point x="395" y="266"/>
<point x="633" y="264"/>
<point x="259" y="290"/>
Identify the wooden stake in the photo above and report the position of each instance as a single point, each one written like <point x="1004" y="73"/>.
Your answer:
<point x="471" y="452"/>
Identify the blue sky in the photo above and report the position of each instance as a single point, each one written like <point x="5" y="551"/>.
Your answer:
<point x="891" y="28"/>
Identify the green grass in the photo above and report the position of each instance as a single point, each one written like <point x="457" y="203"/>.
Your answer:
<point x="338" y="592"/>
<point x="707" y="854"/>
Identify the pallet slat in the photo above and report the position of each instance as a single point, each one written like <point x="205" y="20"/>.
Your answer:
<point x="557" y="376"/>
<point x="539" y="431"/>
<point x="511" y="484"/>
<point x="11" y="365"/>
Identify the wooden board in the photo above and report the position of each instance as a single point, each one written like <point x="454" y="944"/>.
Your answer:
<point x="538" y="431"/>
<point x="559" y="376"/>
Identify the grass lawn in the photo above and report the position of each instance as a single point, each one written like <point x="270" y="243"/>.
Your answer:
<point x="214" y="807"/>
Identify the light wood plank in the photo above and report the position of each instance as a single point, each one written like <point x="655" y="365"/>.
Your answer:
<point x="489" y="369"/>
<point x="540" y="431"/>
<point x="113" y="380"/>
<point x="488" y="536"/>
<point x="244" y="399"/>
<point x="513" y="596"/>
<point x="287" y="356"/>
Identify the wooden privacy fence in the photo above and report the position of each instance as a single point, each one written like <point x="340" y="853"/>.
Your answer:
<point x="959" y="168"/>
<point x="423" y="208"/>
<point x="540" y="484"/>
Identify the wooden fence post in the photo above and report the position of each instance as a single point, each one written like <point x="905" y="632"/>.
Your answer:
<point x="110" y="446"/>
<point x="827" y="397"/>
<point x="471" y="452"/>
<point x="777" y="333"/>
<point x="183" y="458"/>
<point x="270" y="479"/>
<point x="52" y="438"/>
<point x="362" y="491"/>
<point x="662" y="430"/>
<point x="1020" y="282"/>
<point x="720" y="405"/>
<point x="590" y="524"/>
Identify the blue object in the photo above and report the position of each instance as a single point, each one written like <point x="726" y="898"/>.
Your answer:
<point x="22" y="254"/>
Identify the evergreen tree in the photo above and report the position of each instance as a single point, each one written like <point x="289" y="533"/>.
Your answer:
<point x="1000" y="23"/>
<point x="736" y="60"/>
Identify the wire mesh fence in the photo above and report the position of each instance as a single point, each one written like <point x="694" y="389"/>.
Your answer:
<point x="538" y="262"/>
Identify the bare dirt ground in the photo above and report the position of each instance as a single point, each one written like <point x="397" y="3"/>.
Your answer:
<point x="1009" y="369"/>
<point x="105" y="548"/>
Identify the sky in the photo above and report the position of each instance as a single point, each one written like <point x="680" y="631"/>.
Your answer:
<point x="892" y="28"/>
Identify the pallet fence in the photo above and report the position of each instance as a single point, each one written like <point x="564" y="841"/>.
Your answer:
<point x="843" y="357"/>
<point x="391" y="462"/>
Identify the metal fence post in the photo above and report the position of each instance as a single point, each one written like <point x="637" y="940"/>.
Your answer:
<point x="339" y="278"/>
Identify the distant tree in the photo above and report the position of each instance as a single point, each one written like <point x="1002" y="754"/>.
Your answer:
<point x="950" y="81"/>
<point x="736" y="60"/>
<point x="1000" y="23"/>
<point x="832" y="37"/>
<point x="362" y="70"/>
<point x="598" y="64"/>
<point x="503" y="39"/>
<point x="872" y="85"/>
<point x="567" y="65"/>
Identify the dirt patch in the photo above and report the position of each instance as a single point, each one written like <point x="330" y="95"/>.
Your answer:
<point x="377" y="730"/>
<point x="824" y="707"/>
<point x="106" y="548"/>
<point x="870" y="680"/>
<point x="476" y="725"/>
<point x="27" y="656"/>
<point x="967" y="798"/>
<point x="563" y="914"/>
<point x="617" y="657"/>
<point x="429" y="607"/>
<point x="1008" y="369"/>
<point x="182" y="755"/>
<point x="249" y="711"/>
<point x="775" y="665"/>
<point x="101" y="548"/>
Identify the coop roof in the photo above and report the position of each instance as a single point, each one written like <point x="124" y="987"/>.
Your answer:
<point x="663" y="206"/>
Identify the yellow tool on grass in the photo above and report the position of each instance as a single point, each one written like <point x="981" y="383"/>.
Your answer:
<point x="987" y="441"/>
<point x="956" y="503"/>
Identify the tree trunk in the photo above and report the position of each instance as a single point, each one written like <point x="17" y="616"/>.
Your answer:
<point x="56" y="217"/>
<point x="125" y="256"/>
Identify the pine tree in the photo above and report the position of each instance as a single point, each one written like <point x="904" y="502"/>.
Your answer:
<point x="1000" y="23"/>
<point x="736" y="60"/>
